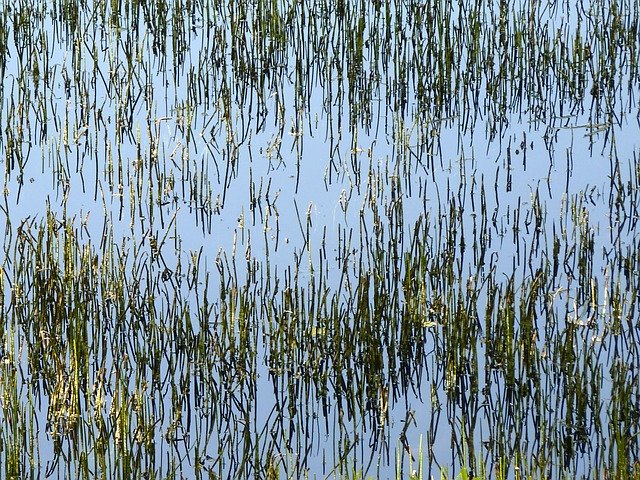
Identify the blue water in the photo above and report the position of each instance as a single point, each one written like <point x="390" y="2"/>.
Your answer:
<point x="306" y="166"/>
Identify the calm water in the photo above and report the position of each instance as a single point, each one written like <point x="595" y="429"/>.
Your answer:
<point x="340" y="240"/>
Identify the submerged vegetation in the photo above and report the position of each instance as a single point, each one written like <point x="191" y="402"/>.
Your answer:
<point x="319" y="239"/>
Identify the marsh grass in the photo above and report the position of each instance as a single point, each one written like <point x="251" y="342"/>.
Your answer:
<point x="177" y="300"/>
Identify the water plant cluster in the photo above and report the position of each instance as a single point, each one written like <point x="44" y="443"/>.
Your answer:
<point x="319" y="239"/>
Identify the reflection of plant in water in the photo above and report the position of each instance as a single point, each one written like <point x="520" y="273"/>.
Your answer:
<point x="491" y="283"/>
